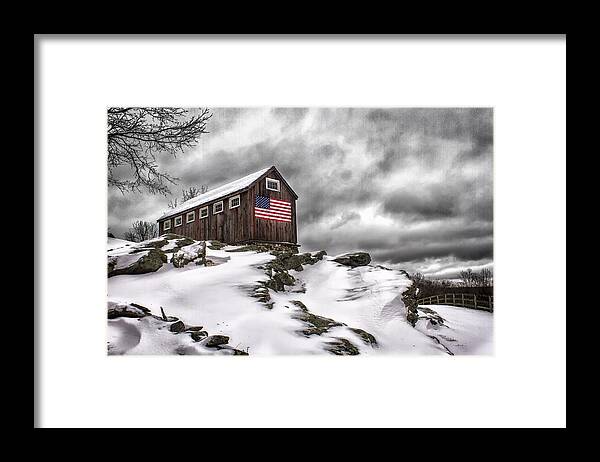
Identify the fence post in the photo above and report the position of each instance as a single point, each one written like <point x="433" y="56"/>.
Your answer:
<point x="475" y="300"/>
<point x="453" y="298"/>
<point x="463" y="299"/>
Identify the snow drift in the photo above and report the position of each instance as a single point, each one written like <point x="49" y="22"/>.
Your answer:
<point x="258" y="301"/>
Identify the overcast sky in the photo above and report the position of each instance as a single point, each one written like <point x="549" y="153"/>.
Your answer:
<point x="413" y="187"/>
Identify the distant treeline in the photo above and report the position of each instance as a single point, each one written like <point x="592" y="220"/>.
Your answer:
<point x="471" y="282"/>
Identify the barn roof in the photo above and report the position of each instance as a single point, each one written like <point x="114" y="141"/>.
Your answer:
<point x="217" y="193"/>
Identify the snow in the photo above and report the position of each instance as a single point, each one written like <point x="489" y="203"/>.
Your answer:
<point x="123" y="261"/>
<point x="217" y="193"/>
<point x="468" y="331"/>
<point x="189" y="251"/>
<point x="118" y="246"/>
<point x="366" y="297"/>
<point x="150" y="336"/>
<point x="219" y="299"/>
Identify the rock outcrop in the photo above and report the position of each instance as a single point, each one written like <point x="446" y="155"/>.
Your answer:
<point x="278" y="269"/>
<point x="173" y="325"/>
<point x="126" y="310"/>
<point x="353" y="259"/>
<point x="342" y="347"/>
<point x="190" y="253"/>
<point x="409" y="298"/>
<point x="147" y="261"/>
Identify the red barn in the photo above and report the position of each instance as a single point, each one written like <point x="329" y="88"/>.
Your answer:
<point x="260" y="207"/>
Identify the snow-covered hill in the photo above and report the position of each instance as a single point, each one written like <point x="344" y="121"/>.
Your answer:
<point x="218" y="299"/>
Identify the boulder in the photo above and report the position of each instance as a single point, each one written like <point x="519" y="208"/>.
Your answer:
<point x="199" y="335"/>
<point x="288" y="260"/>
<point x="341" y="346"/>
<point x="316" y="325"/>
<point x="237" y="352"/>
<point x="216" y="340"/>
<point x="189" y="253"/>
<point x="151" y="244"/>
<point x="124" y="310"/>
<point x="182" y="242"/>
<point x="139" y="263"/>
<point x="177" y="327"/>
<point x="193" y="328"/>
<point x="354" y="259"/>
<point x="216" y="245"/>
<point x="369" y="339"/>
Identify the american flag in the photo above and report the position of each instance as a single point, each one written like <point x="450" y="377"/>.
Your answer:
<point x="271" y="209"/>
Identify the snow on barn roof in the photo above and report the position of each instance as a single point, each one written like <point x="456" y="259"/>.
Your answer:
<point x="217" y="193"/>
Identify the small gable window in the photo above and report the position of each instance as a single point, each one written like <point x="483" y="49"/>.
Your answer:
<point x="272" y="184"/>
<point x="190" y="216"/>
<point x="234" y="202"/>
<point x="203" y="212"/>
<point x="167" y="224"/>
<point x="217" y="207"/>
<point x="178" y="220"/>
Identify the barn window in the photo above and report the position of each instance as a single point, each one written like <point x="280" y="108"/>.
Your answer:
<point x="167" y="224"/>
<point x="217" y="207"/>
<point x="190" y="216"/>
<point x="234" y="201"/>
<point x="203" y="212"/>
<point x="178" y="221"/>
<point x="272" y="184"/>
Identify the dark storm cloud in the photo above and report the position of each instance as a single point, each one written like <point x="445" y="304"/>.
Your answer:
<point x="411" y="186"/>
<point x="432" y="203"/>
<point x="462" y="250"/>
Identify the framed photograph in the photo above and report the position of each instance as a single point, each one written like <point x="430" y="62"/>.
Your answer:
<point x="358" y="220"/>
<point x="343" y="231"/>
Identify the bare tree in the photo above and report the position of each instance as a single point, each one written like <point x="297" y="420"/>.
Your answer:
<point x="468" y="278"/>
<point x="192" y="192"/>
<point x="136" y="136"/>
<point x="173" y="203"/>
<point x="485" y="278"/>
<point x="188" y="194"/>
<point x="141" y="231"/>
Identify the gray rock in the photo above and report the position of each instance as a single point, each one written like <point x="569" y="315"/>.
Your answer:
<point x="123" y="310"/>
<point x="354" y="259"/>
<point x="369" y="339"/>
<point x="409" y="297"/>
<point x="193" y="328"/>
<point x="216" y="340"/>
<point x="191" y="253"/>
<point x="216" y="245"/>
<point x="199" y="335"/>
<point x="341" y="346"/>
<point x="145" y="264"/>
<point x="150" y="244"/>
<point x="177" y="327"/>
<point x="316" y="325"/>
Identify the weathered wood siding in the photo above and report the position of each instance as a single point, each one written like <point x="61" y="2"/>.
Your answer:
<point x="239" y="225"/>
<point x="230" y="225"/>
<point x="270" y="230"/>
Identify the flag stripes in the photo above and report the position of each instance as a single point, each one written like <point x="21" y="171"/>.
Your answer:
<point x="273" y="209"/>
